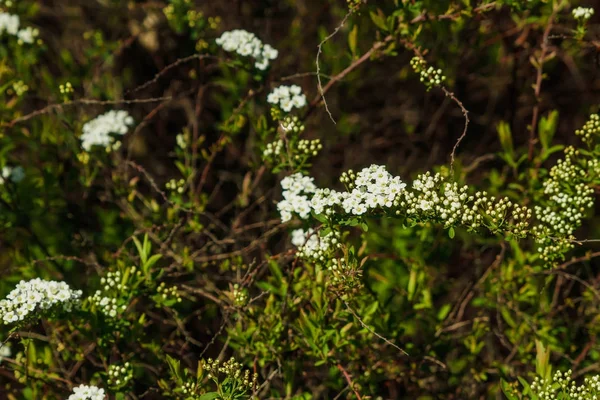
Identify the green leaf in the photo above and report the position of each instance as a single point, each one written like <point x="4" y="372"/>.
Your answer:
<point x="379" y="20"/>
<point x="451" y="233"/>
<point x="547" y="128"/>
<point x="209" y="396"/>
<point x="352" y="36"/>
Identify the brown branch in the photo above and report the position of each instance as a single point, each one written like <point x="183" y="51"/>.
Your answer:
<point x="538" y="83"/>
<point x="349" y="380"/>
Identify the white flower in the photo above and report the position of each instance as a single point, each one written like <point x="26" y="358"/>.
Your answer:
<point x="97" y="131"/>
<point x="37" y="295"/>
<point x="27" y="35"/>
<point x="583" y="13"/>
<point x="5" y="350"/>
<point x="9" y="23"/>
<point x="85" y="392"/>
<point x="287" y="97"/>
<point x="247" y="44"/>
<point x="310" y="244"/>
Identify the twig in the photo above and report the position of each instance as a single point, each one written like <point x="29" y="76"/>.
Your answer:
<point x="349" y="380"/>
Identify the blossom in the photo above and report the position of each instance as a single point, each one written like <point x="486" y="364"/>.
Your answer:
<point x="5" y="350"/>
<point x="37" y="297"/>
<point x="287" y="97"/>
<point x="296" y="189"/>
<point x="97" y="131"/>
<point x="85" y="392"/>
<point x="9" y="23"/>
<point x="15" y="174"/>
<point x="311" y="245"/>
<point x="27" y="35"/>
<point x="583" y="13"/>
<point x="247" y="44"/>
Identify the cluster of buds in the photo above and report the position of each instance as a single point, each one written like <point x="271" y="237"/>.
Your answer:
<point x="292" y="124"/>
<point x="176" y="185"/>
<point x="590" y="129"/>
<point x="582" y="13"/>
<point x="168" y="292"/>
<point x="232" y="371"/>
<point x="240" y="296"/>
<point x="273" y="149"/>
<point x="19" y="88"/>
<point x="119" y="375"/>
<point x="429" y="76"/>
<point x="309" y="147"/>
<point x="66" y="89"/>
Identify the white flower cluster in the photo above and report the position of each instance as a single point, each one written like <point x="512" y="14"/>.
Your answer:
<point x="428" y="75"/>
<point x="10" y="24"/>
<point x="582" y="13"/>
<point x="561" y="386"/>
<point x="36" y="298"/>
<point x="15" y="174"/>
<point x="433" y="198"/>
<point x="373" y="187"/>
<point x="311" y="245"/>
<point x="296" y="189"/>
<point x="246" y="44"/>
<point x="287" y="97"/>
<point x="569" y="198"/>
<point x="85" y="392"/>
<point x="98" y="130"/>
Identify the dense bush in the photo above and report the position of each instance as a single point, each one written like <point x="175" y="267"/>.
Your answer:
<point x="299" y="199"/>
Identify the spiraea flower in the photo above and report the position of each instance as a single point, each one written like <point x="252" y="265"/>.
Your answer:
<point x="85" y="392"/>
<point x="582" y="13"/>
<point x="15" y="174"/>
<point x="97" y="132"/>
<point x="10" y="24"/>
<point x="37" y="298"/>
<point x="296" y="189"/>
<point x="311" y="245"/>
<point x="287" y="97"/>
<point x="246" y="44"/>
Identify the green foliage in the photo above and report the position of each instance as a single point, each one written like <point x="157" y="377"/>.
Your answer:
<point x="162" y="168"/>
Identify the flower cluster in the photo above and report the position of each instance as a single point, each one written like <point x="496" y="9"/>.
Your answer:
<point x="97" y="131"/>
<point x="311" y="245"/>
<point x="291" y="123"/>
<point x="240" y="295"/>
<point x="85" y="392"/>
<point x="37" y="298"/>
<point x="429" y="76"/>
<point x="15" y="174"/>
<point x="246" y="44"/>
<point x="562" y="386"/>
<point x="273" y="149"/>
<point x="232" y="371"/>
<point x="108" y="305"/>
<point x="176" y="185"/>
<point x="10" y="24"/>
<point x="590" y="129"/>
<point x="309" y="147"/>
<point x="119" y="375"/>
<point x="582" y="13"/>
<point x="168" y="292"/>
<point x="287" y="97"/>
<point x="296" y="189"/>
<point x="372" y="188"/>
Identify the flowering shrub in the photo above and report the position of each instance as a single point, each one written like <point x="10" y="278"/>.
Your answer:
<point x="388" y="200"/>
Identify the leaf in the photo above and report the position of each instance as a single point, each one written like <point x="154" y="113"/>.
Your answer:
<point x="209" y="396"/>
<point x="352" y="36"/>
<point x="547" y="128"/>
<point x="451" y="233"/>
<point x="140" y="249"/>
<point x="379" y="20"/>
